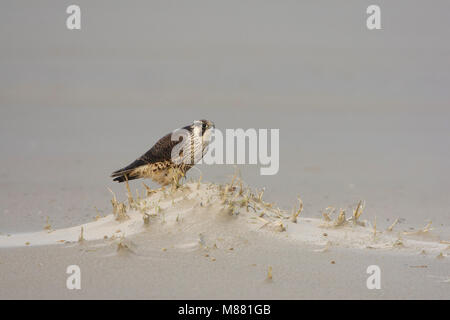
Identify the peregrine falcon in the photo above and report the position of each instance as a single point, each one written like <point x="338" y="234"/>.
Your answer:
<point x="172" y="156"/>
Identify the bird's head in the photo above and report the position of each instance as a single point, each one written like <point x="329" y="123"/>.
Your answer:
<point x="203" y="128"/>
<point x="205" y="125"/>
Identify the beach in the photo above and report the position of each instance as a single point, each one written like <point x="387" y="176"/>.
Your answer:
<point x="363" y="116"/>
<point x="207" y="241"/>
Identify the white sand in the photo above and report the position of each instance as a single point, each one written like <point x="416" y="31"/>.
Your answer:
<point x="196" y="204"/>
<point x="362" y="115"/>
<point x="206" y="222"/>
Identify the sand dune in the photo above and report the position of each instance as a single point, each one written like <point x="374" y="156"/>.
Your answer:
<point x="197" y="207"/>
<point x="204" y="240"/>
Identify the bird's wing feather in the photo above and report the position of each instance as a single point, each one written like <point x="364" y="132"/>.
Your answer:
<point x="161" y="151"/>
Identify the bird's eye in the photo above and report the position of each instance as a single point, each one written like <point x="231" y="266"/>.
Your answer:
<point x="204" y="125"/>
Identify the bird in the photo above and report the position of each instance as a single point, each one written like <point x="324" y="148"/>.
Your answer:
<point x="172" y="156"/>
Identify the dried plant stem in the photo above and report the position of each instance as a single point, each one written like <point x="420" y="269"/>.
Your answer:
<point x="148" y="190"/>
<point x="358" y="211"/>
<point x="300" y="209"/>
<point x="424" y="230"/>
<point x="327" y="213"/>
<point x="47" y="224"/>
<point x="114" y="202"/>
<point x="269" y="273"/>
<point x="375" y="228"/>
<point x="391" y="227"/>
<point x="130" y="196"/>
<point x="340" y="219"/>
<point x="236" y="172"/>
<point x="81" y="236"/>
<point x="261" y="195"/>
<point x="199" y="181"/>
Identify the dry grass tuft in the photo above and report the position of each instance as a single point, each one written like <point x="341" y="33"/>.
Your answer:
<point x="422" y="231"/>
<point x="340" y="220"/>
<point x="119" y="209"/>
<point x="158" y="209"/>
<point x="326" y="214"/>
<point x="177" y="176"/>
<point x="114" y="201"/>
<point x="47" y="226"/>
<point x="99" y="215"/>
<point x="245" y="202"/>
<point x="358" y="212"/>
<point x="236" y="174"/>
<point x="260" y="195"/>
<point x="276" y="226"/>
<point x="300" y="209"/>
<point x="391" y="227"/>
<point x="121" y="212"/>
<point x="138" y="196"/>
<point x="130" y="195"/>
<point x="241" y="188"/>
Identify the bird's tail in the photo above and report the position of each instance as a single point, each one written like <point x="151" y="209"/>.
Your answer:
<point x="127" y="173"/>
<point x="125" y="177"/>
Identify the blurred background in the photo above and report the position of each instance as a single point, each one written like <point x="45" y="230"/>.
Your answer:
<point x="362" y="114"/>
